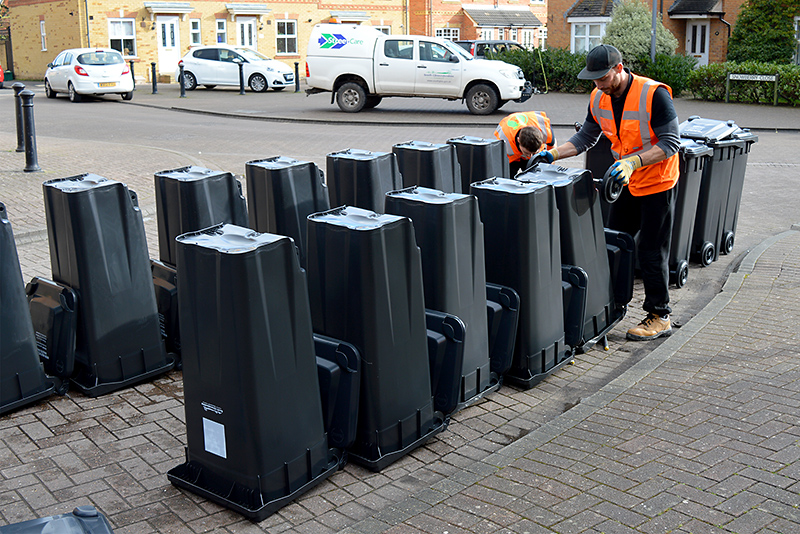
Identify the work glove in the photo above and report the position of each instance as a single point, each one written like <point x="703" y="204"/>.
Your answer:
<point x="547" y="155"/>
<point x="622" y="170"/>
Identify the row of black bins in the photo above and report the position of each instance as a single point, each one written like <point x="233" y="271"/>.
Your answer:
<point x="365" y="274"/>
<point x="713" y="159"/>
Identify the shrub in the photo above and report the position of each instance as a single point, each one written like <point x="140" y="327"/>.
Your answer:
<point x="764" y="32"/>
<point x="560" y="66"/>
<point x="674" y="70"/>
<point x="629" y="31"/>
<point x="708" y="83"/>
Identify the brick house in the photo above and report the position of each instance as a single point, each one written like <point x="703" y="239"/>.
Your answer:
<point x="702" y="27"/>
<point x="161" y="32"/>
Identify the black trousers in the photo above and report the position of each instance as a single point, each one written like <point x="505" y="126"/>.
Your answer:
<point x="651" y="217"/>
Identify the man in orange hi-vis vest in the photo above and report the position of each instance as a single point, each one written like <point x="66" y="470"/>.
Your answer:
<point x="524" y="134"/>
<point x="638" y="117"/>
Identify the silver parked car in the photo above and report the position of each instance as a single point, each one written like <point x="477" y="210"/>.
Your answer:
<point x="219" y="65"/>
<point x="88" y="71"/>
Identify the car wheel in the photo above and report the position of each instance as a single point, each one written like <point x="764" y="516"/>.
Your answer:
<point x="372" y="101"/>
<point x="351" y="97"/>
<point x="258" y="83"/>
<point x="48" y="91"/>
<point x="482" y="99"/>
<point x="127" y="96"/>
<point x="189" y="81"/>
<point x="73" y="94"/>
<point x="209" y="86"/>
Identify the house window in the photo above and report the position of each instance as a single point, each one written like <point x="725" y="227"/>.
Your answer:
<point x="543" y="38"/>
<point x="586" y="36"/>
<point x="44" y="35"/>
<point x="194" y="31"/>
<point x="451" y="34"/>
<point x="122" y="36"/>
<point x="527" y="38"/>
<point x="512" y="34"/>
<point x="384" y="29"/>
<point x="287" y="36"/>
<point x="487" y="34"/>
<point x="222" y="31"/>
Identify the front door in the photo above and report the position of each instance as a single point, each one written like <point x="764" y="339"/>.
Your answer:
<point x="169" y="52"/>
<point x="246" y="32"/>
<point x="697" y="40"/>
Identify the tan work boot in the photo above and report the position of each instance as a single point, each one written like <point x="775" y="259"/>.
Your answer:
<point x="651" y="327"/>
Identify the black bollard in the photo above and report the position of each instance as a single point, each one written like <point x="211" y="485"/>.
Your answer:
<point x="153" y="77"/>
<point x="31" y="163"/>
<point x="241" y="77"/>
<point x="132" y="76"/>
<point x="18" y="87"/>
<point x="181" y="80"/>
<point x="296" y="77"/>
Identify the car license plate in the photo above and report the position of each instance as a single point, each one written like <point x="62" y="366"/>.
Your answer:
<point x="106" y="84"/>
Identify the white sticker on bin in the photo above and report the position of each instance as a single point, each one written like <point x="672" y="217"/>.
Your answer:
<point x="214" y="438"/>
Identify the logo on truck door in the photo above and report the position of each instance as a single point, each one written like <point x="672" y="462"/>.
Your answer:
<point x="334" y="41"/>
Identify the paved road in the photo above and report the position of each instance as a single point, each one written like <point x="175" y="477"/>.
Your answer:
<point x="605" y="439"/>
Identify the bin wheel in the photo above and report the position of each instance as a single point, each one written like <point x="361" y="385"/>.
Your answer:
<point x="611" y="189"/>
<point x="62" y="386"/>
<point x="707" y="254"/>
<point x="727" y="243"/>
<point x="681" y="274"/>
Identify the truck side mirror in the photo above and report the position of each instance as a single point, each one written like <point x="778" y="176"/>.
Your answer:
<point x="453" y="58"/>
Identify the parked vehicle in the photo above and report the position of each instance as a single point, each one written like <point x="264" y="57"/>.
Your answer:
<point x="88" y="71"/>
<point x="360" y="65"/>
<point x="219" y="65"/>
<point x="482" y="48"/>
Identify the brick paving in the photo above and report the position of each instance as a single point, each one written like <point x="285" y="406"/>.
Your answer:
<point x="697" y="433"/>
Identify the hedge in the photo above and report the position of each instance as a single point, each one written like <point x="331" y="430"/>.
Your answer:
<point x="708" y="83"/>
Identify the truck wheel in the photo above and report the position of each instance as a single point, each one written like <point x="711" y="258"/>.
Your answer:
<point x="372" y="101"/>
<point x="482" y="99"/>
<point x="351" y="97"/>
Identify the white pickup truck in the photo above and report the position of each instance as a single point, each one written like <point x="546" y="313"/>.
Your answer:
<point x="360" y="65"/>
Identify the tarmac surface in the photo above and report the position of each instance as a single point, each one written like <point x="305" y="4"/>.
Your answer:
<point x="696" y="433"/>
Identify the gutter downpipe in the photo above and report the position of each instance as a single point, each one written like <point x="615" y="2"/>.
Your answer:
<point x="726" y="23"/>
<point x="88" y="39"/>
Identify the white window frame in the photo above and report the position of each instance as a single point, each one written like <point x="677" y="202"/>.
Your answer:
<point x="114" y="36"/>
<point x="288" y="37"/>
<point x="386" y="30"/>
<point x="586" y="39"/>
<point x="195" y="37"/>
<point x="512" y="34"/>
<point x="797" y="40"/>
<point x="43" y="33"/>
<point x="450" y="34"/>
<point x="221" y="31"/>
<point x="543" y="37"/>
<point x="487" y="34"/>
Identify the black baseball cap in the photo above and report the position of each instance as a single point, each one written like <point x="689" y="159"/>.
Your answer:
<point x="601" y="59"/>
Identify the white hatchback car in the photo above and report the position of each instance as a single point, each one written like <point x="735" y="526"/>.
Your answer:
<point x="219" y="65"/>
<point x="88" y="71"/>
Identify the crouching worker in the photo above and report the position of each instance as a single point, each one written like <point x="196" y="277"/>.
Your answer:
<point x="524" y="135"/>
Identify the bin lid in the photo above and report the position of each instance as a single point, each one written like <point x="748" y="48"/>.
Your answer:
<point x="508" y="185"/>
<point x="81" y="182"/>
<point x="472" y="140"/>
<point x="708" y="130"/>
<point x="427" y="195"/>
<point x="745" y="135"/>
<point x="692" y="148"/>
<point x="420" y="145"/>
<point x="229" y="239"/>
<point x="277" y="162"/>
<point x="355" y="218"/>
<point x="189" y="174"/>
<point x="358" y="154"/>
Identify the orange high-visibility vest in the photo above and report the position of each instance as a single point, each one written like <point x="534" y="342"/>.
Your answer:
<point x="507" y="131"/>
<point x="636" y="136"/>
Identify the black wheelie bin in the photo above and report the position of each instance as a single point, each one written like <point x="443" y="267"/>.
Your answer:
<point x="362" y="178"/>
<point x="479" y="159"/>
<point x="188" y="199"/>
<point x="708" y="237"/>
<point x="22" y="378"/>
<point x="82" y="520"/>
<point x="281" y="193"/>
<point x="523" y="252"/>
<point x="99" y="249"/>
<point x="693" y="159"/>
<point x="254" y="422"/>
<point x="365" y="288"/>
<point x="583" y="243"/>
<point x="449" y="234"/>
<point x="431" y="165"/>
